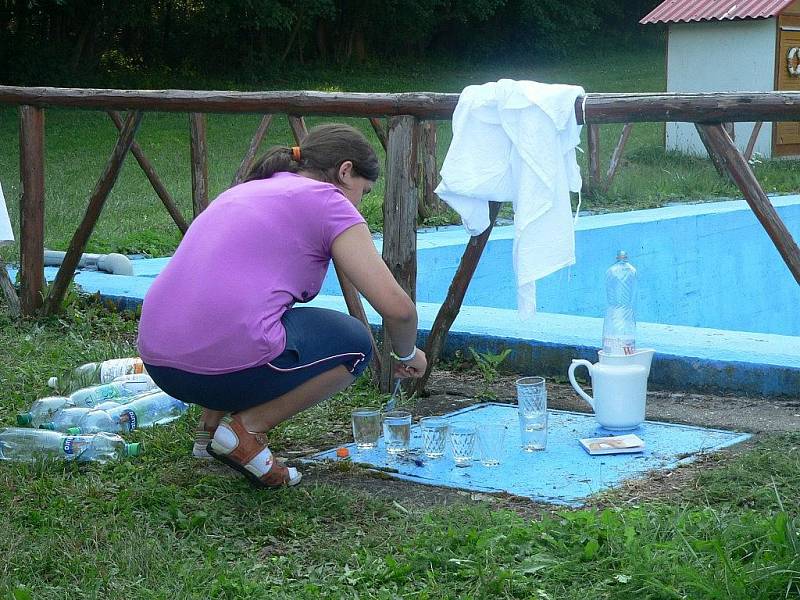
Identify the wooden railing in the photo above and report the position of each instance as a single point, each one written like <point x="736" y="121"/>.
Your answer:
<point x="403" y="133"/>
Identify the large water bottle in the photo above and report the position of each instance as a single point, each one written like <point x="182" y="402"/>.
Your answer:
<point x="619" y="326"/>
<point x="66" y="418"/>
<point x="151" y="409"/>
<point x="122" y="387"/>
<point x="29" y="445"/>
<point x="95" y="373"/>
<point x="42" y="411"/>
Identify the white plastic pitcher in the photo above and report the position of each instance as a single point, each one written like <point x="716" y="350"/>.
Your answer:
<point x="619" y="383"/>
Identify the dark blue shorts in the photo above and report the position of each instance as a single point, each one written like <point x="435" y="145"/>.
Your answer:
<point x="317" y="340"/>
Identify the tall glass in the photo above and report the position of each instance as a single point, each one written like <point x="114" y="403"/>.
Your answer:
<point x="532" y="411"/>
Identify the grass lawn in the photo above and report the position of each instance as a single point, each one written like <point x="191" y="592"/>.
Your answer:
<point x="160" y="526"/>
<point x="78" y="144"/>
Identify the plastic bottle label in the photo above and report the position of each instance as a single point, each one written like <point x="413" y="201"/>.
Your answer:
<point x="111" y="369"/>
<point x="73" y="446"/>
<point x="127" y="420"/>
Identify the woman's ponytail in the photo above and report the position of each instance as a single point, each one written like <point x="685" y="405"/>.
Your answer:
<point x="277" y="159"/>
<point x="320" y="154"/>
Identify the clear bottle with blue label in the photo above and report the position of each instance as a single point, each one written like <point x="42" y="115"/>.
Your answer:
<point x="29" y="445"/>
<point x="151" y="409"/>
<point x="619" y="325"/>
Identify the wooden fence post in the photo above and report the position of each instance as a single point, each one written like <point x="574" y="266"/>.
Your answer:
<point x="725" y="153"/>
<point x="31" y="209"/>
<point x="255" y="142"/>
<point x="8" y="290"/>
<point x="380" y="130"/>
<point x="400" y="218"/>
<point x="751" y="143"/>
<point x="617" y="156"/>
<point x="96" y="202"/>
<point x="430" y="204"/>
<point x="593" y="143"/>
<point x="298" y="127"/>
<point x="199" y="156"/>
<point x="455" y="297"/>
<point x="150" y="172"/>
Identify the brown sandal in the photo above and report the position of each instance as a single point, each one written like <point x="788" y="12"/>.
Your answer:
<point x="248" y="446"/>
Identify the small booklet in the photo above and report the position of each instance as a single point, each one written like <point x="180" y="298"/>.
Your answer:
<point x="613" y="444"/>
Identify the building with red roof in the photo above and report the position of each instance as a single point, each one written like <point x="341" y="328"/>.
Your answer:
<point x="730" y="46"/>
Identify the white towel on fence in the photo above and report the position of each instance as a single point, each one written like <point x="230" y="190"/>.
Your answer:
<point x="514" y="141"/>
<point x="6" y="234"/>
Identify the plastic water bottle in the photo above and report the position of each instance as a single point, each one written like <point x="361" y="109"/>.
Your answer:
<point x="619" y="326"/>
<point x="42" y="411"/>
<point x="122" y="387"/>
<point x="29" y="445"/>
<point x="95" y="373"/>
<point x="147" y="410"/>
<point x="65" y="418"/>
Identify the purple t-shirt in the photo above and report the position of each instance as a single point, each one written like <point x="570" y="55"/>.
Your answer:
<point x="255" y="251"/>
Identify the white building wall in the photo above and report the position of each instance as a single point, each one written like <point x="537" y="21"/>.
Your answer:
<point x="721" y="56"/>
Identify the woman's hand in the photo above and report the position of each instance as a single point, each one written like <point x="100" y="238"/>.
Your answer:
<point x="414" y="368"/>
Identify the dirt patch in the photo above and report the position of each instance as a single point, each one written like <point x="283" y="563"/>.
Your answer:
<point x="451" y="391"/>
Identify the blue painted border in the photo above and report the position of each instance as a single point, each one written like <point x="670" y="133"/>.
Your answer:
<point x="687" y="358"/>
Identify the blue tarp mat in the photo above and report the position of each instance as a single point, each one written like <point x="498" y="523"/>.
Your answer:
<point x="564" y="473"/>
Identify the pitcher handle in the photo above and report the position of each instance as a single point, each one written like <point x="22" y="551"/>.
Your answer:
<point x="579" y="362"/>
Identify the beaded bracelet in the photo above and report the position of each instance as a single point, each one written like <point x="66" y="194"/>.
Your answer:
<point x="404" y="358"/>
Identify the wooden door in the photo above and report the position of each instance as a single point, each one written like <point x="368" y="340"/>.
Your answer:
<point x="787" y="135"/>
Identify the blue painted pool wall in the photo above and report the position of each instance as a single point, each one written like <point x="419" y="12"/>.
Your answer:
<point x="686" y="357"/>
<point x="699" y="265"/>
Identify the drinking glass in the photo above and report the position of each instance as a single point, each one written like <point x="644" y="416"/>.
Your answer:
<point x="397" y="431"/>
<point x="532" y="411"/>
<point x="366" y="427"/>
<point x="491" y="441"/>
<point x="462" y="442"/>
<point x="434" y="436"/>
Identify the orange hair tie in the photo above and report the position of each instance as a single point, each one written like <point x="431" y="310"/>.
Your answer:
<point x="296" y="153"/>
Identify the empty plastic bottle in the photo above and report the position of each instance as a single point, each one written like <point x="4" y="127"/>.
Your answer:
<point x="95" y="373"/>
<point x="147" y="410"/>
<point x="29" y="445"/>
<point x="42" y="411"/>
<point x="66" y="418"/>
<point x="619" y="326"/>
<point x="122" y="387"/>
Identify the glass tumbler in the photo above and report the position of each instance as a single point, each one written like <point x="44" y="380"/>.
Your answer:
<point x="434" y="436"/>
<point x="397" y="431"/>
<point x="462" y="443"/>
<point x="366" y="427"/>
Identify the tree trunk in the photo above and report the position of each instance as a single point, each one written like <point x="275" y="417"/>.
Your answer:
<point x="321" y="38"/>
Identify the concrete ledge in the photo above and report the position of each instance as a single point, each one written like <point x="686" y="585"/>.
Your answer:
<point x="687" y="358"/>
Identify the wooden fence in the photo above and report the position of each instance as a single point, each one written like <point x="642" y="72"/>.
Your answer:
<point x="403" y="124"/>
